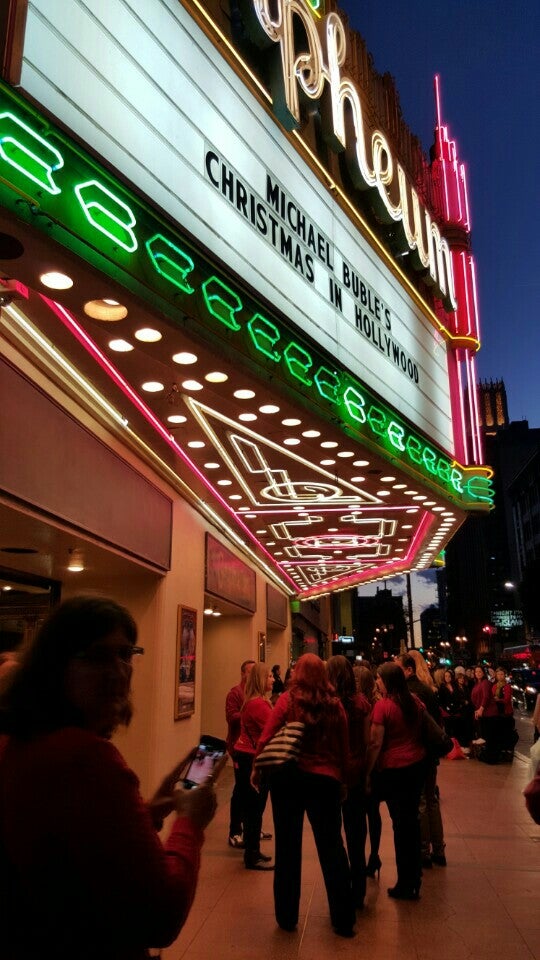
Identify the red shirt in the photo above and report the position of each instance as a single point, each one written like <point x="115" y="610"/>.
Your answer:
<point x="402" y="744"/>
<point x="481" y="696"/>
<point x="358" y="710"/>
<point x="324" y="745"/>
<point x="501" y="700"/>
<point x="83" y="872"/>
<point x="233" y="706"/>
<point x="253" y="717"/>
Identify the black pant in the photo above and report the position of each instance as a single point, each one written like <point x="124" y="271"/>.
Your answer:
<point x="236" y="813"/>
<point x="354" y="811"/>
<point x="253" y="804"/>
<point x="401" y="788"/>
<point x="294" y="793"/>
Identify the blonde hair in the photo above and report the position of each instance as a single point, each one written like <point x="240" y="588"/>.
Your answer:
<point x="256" y="683"/>
<point x="422" y="669"/>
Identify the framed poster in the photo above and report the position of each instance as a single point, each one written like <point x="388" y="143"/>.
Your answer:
<point x="186" y="656"/>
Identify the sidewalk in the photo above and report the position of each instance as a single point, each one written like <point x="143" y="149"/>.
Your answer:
<point x="485" y="905"/>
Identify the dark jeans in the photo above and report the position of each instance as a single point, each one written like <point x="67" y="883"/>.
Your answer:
<point x="293" y="794"/>
<point x="431" y="826"/>
<point x="401" y="788"/>
<point x="354" y="812"/>
<point x="253" y="804"/>
<point x="236" y="814"/>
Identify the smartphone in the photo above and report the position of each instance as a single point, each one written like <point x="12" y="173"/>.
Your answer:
<point x="209" y="751"/>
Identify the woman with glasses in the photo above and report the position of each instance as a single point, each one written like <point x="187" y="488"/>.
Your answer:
<point x="83" y="872"/>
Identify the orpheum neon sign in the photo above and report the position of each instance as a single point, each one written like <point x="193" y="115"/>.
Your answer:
<point x="311" y="68"/>
<point x="52" y="184"/>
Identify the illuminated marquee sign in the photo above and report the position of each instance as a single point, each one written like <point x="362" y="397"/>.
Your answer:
<point x="52" y="184"/>
<point x="311" y="68"/>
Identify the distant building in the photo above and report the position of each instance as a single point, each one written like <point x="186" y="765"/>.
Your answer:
<point x="483" y="555"/>
<point x="379" y="625"/>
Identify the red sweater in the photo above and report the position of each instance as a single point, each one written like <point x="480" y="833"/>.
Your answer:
<point x="83" y="872"/>
<point x="233" y="706"/>
<point x="253" y="717"/>
<point x="324" y="745"/>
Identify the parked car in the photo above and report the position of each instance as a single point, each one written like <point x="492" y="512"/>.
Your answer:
<point x="525" y="687"/>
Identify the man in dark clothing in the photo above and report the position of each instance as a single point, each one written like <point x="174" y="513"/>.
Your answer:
<point x="431" y="825"/>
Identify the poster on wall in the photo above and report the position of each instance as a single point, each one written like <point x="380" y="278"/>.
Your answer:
<point x="186" y="651"/>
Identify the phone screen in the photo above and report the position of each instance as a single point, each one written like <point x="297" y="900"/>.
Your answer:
<point x="203" y="763"/>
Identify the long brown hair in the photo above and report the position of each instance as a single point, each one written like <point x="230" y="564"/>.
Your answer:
<point x="311" y="693"/>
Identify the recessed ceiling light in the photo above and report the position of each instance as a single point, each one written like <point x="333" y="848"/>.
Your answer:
<point x="310" y="433"/>
<point x="235" y="496"/>
<point x="430" y="503"/>
<point x="211" y="466"/>
<point x="269" y="408"/>
<point x="383" y="493"/>
<point x="196" y="444"/>
<point x="153" y="386"/>
<point x="412" y="510"/>
<point x="55" y="280"/>
<point x="411" y="493"/>
<point x="247" y="417"/>
<point x="387" y="479"/>
<point x="420" y="496"/>
<point x="176" y="418"/>
<point x="357" y="479"/>
<point x="327" y="463"/>
<point x="291" y="442"/>
<point x="361" y="463"/>
<point x="244" y="394"/>
<point x="147" y="335"/>
<point x="260" y="531"/>
<point x="250" y="516"/>
<point x="224" y="483"/>
<point x="438" y="509"/>
<point x="192" y="385"/>
<point x="332" y="529"/>
<point x="329" y="444"/>
<point x="406" y="526"/>
<point x="103" y="310"/>
<point x="184" y="358"/>
<point x="121" y="346"/>
<point x="399" y="486"/>
<point x="216" y="377"/>
<point x="292" y="422"/>
<point x="345" y="453"/>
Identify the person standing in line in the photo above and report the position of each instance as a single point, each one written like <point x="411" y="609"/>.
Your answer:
<point x="312" y="786"/>
<point x="253" y="716"/>
<point x="431" y="825"/>
<point x="504" y="725"/>
<point x="233" y="706"/>
<point x="397" y="750"/>
<point x="365" y="683"/>
<point x="341" y="676"/>
<point x="83" y="872"/>
<point x="485" y="713"/>
<point x="278" y="685"/>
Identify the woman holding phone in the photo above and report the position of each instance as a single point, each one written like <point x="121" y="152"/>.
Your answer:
<point x="83" y="872"/>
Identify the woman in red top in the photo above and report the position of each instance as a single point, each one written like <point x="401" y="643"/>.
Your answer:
<point x="253" y="716"/>
<point x="357" y="708"/>
<point x="485" y="713"/>
<point x="312" y="786"/>
<point x="83" y="872"/>
<point x="397" y="750"/>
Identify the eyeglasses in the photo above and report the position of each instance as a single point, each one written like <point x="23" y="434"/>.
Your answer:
<point x="104" y="655"/>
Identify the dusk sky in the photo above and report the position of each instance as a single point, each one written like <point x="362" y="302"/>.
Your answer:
<point x="487" y="54"/>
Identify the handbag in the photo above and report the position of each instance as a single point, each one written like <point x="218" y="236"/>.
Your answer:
<point x="434" y="738"/>
<point x="284" y="747"/>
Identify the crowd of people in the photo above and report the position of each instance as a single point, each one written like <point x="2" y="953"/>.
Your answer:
<point x="363" y="743"/>
<point x="83" y="870"/>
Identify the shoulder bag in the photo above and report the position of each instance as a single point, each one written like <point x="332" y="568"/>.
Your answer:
<point x="284" y="746"/>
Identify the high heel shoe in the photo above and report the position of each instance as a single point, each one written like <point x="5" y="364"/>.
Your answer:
<point x="404" y="893"/>
<point x="373" y="866"/>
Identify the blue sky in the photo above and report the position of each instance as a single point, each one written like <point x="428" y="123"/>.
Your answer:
<point x="487" y="54"/>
